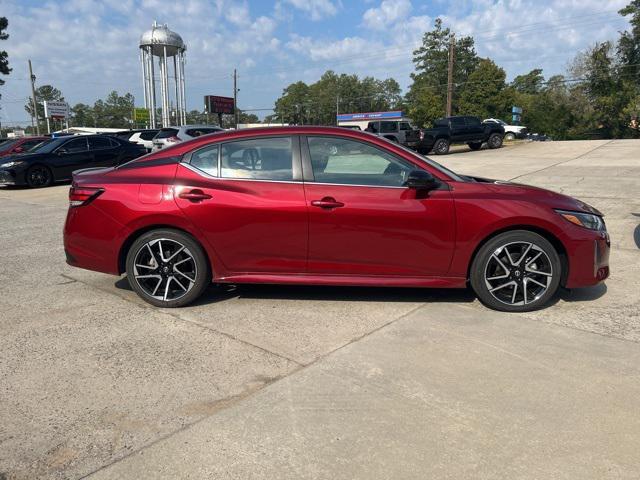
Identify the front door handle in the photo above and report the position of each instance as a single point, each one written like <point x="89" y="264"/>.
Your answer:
<point x="194" y="195"/>
<point x="327" y="202"/>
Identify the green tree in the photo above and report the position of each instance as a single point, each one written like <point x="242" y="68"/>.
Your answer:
<point x="44" y="93"/>
<point x="115" y="111"/>
<point x="4" y="57"/>
<point x="427" y="95"/>
<point x="82" y="115"/>
<point x="484" y="93"/>
<point x="530" y="83"/>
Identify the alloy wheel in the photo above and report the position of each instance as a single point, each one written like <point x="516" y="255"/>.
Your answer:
<point x="39" y="177"/>
<point x="165" y="269"/>
<point x="518" y="273"/>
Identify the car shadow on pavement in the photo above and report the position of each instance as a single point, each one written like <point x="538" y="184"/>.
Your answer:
<point x="218" y="293"/>
<point x="636" y="232"/>
<point x="586" y="294"/>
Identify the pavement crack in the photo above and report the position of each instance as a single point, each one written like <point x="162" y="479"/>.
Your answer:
<point x="561" y="162"/>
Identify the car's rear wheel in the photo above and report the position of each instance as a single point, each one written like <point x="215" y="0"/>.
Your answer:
<point x="475" y="145"/>
<point x="495" y="140"/>
<point x="516" y="271"/>
<point x="441" y="147"/>
<point x="167" y="268"/>
<point x="39" y="176"/>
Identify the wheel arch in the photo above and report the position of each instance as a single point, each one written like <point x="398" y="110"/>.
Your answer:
<point x="553" y="239"/>
<point x="126" y="245"/>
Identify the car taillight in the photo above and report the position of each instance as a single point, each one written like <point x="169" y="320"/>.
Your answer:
<point x="173" y="139"/>
<point x="80" y="196"/>
<point x="421" y="134"/>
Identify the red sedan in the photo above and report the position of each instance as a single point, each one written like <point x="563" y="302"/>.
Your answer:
<point x="20" y="145"/>
<point x="326" y="206"/>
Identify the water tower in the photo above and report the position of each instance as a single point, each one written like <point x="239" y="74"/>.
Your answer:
<point x="164" y="44"/>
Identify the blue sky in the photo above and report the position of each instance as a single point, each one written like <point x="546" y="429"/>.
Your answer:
<point x="87" y="48"/>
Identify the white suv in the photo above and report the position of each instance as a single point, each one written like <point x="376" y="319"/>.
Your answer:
<point x="172" y="135"/>
<point x="511" y="132"/>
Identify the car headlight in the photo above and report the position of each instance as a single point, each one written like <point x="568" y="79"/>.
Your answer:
<point x="586" y="220"/>
<point x="12" y="164"/>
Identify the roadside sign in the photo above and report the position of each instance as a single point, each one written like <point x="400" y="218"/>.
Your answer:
<point x="215" y="104"/>
<point x="516" y="115"/>
<point x="56" y="109"/>
<point x="140" y="115"/>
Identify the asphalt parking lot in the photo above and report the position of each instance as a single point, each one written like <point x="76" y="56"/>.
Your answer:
<point x="312" y="383"/>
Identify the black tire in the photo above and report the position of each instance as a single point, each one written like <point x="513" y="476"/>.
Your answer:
<point x="509" y="136"/>
<point x="39" y="176"/>
<point x="164" y="274"/>
<point x="441" y="147"/>
<point x="501" y="277"/>
<point x="475" y="145"/>
<point x="495" y="140"/>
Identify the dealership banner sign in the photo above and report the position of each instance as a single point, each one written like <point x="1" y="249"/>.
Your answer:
<point x="348" y="117"/>
<point x="215" y="104"/>
<point x="56" y="109"/>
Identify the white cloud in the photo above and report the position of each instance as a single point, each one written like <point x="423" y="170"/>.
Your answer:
<point x="389" y="12"/>
<point x="318" y="9"/>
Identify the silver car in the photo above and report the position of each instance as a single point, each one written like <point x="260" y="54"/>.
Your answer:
<point x="171" y="135"/>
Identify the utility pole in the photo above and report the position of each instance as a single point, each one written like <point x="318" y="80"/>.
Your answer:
<point x="33" y="99"/>
<point x="337" y="107"/>
<point x="452" y="52"/>
<point x="235" y="97"/>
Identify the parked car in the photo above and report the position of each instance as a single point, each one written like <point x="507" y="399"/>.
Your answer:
<point x="19" y="145"/>
<point x="144" y="138"/>
<point x="171" y="135"/>
<point x="511" y="132"/>
<point x="400" y="131"/>
<point x="460" y="129"/>
<point x="55" y="159"/>
<point x="326" y="206"/>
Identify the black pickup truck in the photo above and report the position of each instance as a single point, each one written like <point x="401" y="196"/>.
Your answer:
<point x="400" y="131"/>
<point x="461" y="129"/>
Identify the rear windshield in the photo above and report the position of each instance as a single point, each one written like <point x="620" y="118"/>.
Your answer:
<point x="167" y="132"/>
<point x="8" y="145"/>
<point x="148" y="135"/>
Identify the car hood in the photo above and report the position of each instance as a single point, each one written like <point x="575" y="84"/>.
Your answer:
<point x="21" y="157"/>
<point x="536" y="194"/>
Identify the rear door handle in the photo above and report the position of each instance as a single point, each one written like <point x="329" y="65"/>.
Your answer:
<point x="327" y="202"/>
<point x="194" y="195"/>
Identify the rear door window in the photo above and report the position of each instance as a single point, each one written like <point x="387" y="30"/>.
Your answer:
<point x="100" y="143"/>
<point x="457" y="122"/>
<point x="472" y="121"/>
<point x="166" y="133"/>
<point x="388" y="127"/>
<point x="405" y="126"/>
<point x="206" y="160"/>
<point x="259" y="159"/>
<point x="148" y="135"/>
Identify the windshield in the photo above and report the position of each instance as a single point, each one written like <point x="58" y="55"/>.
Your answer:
<point x="48" y="146"/>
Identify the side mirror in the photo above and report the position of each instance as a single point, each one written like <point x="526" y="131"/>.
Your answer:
<point x="419" y="179"/>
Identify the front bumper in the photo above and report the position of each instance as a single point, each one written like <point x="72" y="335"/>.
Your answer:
<point x="9" y="177"/>
<point x="589" y="260"/>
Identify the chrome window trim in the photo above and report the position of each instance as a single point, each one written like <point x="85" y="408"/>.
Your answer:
<point x="301" y="182"/>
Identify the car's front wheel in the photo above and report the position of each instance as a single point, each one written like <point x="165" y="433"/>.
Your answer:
<point x="167" y="268"/>
<point x="509" y="136"/>
<point x="516" y="271"/>
<point x="39" y="176"/>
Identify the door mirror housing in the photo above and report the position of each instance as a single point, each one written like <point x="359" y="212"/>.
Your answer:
<point x="422" y="180"/>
